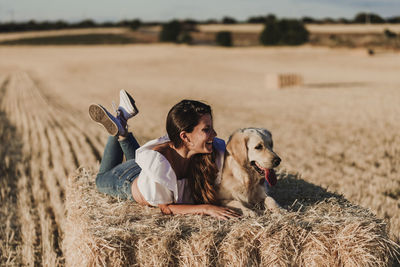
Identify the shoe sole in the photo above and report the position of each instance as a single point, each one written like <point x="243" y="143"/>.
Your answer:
<point x="132" y="101"/>
<point x="99" y="115"/>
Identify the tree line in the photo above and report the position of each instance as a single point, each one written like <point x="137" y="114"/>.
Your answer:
<point x="33" y="25"/>
<point x="276" y="32"/>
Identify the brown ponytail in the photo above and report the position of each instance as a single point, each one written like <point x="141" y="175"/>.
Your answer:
<point x="204" y="171"/>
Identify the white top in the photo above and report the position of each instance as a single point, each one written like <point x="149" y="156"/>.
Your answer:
<point x="157" y="180"/>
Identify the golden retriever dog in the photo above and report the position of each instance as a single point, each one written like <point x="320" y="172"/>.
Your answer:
<point x="248" y="165"/>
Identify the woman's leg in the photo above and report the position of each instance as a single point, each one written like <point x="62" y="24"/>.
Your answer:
<point x="129" y="146"/>
<point x="117" y="182"/>
<point x="112" y="155"/>
<point x="114" y="177"/>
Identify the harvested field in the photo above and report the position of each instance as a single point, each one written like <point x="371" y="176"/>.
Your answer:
<point x="338" y="131"/>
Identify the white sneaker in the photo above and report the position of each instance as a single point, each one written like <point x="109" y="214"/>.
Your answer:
<point x="127" y="105"/>
<point x="113" y="125"/>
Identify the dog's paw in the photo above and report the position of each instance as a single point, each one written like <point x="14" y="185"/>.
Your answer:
<point x="271" y="204"/>
<point x="281" y="211"/>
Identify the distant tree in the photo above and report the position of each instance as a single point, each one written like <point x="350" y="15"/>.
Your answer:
<point x="153" y="23"/>
<point x="135" y="24"/>
<point x="46" y="25"/>
<point x="31" y="25"/>
<point x="374" y="18"/>
<point x="224" y="38"/>
<point x="258" y="19"/>
<point x="344" y="21"/>
<point x="190" y="22"/>
<point x="88" y="23"/>
<point x="368" y="18"/>
<point x="211" y="21"/>
<point x="271" y="18"/>
<point x="170" y="31"/>
<point x="107" y="24"/>
<point x="123" y="23"/>
<point x="262" y="19"/>
<point x="308" y="20"/>
<point x="293" y="32"/>
<point x="393" y="20"/>
<point x="285" y="31"/>
<point x="189" y="25"/>
<point x="60" y="24"/>
<point x="389" y="34"/>
<point x="229" y="20"/>
<point x="185" y="38"/>
<point x="328" y="20"/>
<point x="271" y="34"/>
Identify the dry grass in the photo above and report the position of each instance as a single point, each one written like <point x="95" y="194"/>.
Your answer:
<point x="320" y="229"/>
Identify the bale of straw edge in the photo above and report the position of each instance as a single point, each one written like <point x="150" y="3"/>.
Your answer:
<point x="320" y="229"/>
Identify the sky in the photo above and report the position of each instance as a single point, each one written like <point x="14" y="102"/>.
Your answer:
<point x="164" y="10"/>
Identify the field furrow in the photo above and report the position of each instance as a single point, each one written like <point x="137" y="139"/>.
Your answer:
<point x="85" y="135"/>
<point x="51" y="150"/>
<point x="28" y="221"/>
<point x="50" y="182"/>
<point x="49" y="204"/>
<point x="27" y="213"/>
<point x="85" y="153"/>
<point x="10" y="155"/>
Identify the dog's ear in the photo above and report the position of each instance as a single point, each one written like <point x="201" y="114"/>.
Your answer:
<point x="237" y="147"/>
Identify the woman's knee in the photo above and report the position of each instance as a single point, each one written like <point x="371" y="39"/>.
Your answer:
<point x="103" y="184"/>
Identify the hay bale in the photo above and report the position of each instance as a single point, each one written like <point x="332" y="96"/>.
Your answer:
<point x="283" y="80"/>
<point x="319" y="229"/>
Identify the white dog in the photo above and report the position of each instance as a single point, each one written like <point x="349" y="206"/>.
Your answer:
<point x="249" y="162"/>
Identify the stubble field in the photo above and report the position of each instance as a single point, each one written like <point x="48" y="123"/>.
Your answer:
<point x="340" y="130"/>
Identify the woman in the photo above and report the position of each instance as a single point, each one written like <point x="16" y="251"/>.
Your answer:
<point x="178" y="172"/>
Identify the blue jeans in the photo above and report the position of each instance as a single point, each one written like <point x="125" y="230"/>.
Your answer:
<point x="115" y="177"/>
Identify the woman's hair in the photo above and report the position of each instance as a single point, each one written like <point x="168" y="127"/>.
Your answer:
<point x="184" y="116"/>
<point x="204" y="171"/>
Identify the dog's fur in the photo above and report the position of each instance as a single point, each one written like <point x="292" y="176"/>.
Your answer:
<point x="242" y="186"/>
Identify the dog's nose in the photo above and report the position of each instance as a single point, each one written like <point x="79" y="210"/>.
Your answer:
<point x="276" y="161"/>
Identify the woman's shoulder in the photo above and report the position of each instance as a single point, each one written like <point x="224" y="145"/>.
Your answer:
<point x="146" y="155"/>
<point x="155" y="142"/>
<point x="162" y="148"/>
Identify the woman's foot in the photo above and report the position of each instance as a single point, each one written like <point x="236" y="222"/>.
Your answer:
<point x="113" y="125"/>
<point x="127" y="105"/>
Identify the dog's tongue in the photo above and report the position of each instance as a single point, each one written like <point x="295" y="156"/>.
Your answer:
<point x="270" y="176"/>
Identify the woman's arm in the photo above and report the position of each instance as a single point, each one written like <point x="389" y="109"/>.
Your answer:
<point x="222" y="213"/>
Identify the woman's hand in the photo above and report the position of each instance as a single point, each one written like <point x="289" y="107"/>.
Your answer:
<point x="222" y="213"/>
<point x="219" y="212"/>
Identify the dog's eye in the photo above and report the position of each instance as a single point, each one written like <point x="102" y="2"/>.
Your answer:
<point x="258" y="147"/>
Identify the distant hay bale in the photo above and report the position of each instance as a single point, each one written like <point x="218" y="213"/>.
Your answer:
<point x="282" y="80"/>
<point x="319" y="229"/>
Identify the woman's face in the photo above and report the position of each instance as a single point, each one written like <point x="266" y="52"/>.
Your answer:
<point x="201" y="138"/>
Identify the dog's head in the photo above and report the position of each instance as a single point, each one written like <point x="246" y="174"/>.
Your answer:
<point x="252" y="148"/>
